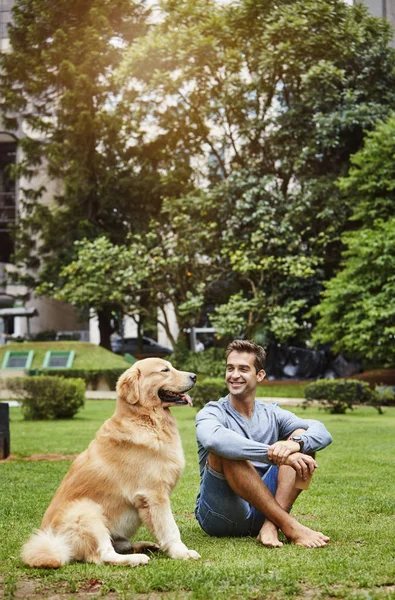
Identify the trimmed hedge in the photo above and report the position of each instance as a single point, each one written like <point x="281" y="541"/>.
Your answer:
<point x="90" y="376"/>
<point x="338" y="395"/>
<point x="207" y="390"/>
<point x="48" y="398"/>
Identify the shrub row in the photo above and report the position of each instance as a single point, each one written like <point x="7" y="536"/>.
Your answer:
<point x="207" y="390"/>
<point x="90" y="376"/>
<point x="47" y="398"/>
<point x="338" y="395"/>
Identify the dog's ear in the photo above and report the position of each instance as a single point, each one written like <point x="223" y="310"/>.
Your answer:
<point x="128" y="386"/>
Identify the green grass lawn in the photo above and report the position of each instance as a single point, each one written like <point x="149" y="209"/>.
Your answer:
<point x="282" y="390"/>
<point x="351" y="498"/>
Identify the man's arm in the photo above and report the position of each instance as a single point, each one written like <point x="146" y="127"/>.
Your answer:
<point x="314" y="436"/>
<point x="216" y="438"/>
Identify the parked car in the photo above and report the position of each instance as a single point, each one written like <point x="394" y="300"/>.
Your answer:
<point x="130" y="346"/>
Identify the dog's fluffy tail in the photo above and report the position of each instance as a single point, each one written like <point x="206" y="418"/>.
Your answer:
<point x="46" y="549"/>
<point x="81" y="528"/>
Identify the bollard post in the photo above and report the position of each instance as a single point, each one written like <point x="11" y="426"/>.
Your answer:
<point x="4" y="431"/>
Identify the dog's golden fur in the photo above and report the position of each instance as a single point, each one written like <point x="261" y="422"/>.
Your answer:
<point x="123" y="479"/>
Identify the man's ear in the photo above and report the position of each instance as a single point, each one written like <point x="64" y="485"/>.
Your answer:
<point x="128" y="386"/>
<point x="261" y="375"/>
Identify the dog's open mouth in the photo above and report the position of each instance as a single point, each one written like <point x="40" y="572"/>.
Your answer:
<point x="174" y="397"/>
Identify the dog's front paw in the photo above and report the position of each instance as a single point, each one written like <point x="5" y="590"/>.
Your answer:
<point x="138" y="559"/>
<point x="193" y="554"/>
<point x="181" y="552"/>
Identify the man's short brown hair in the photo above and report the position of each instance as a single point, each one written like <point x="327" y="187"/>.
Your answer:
<point x="250" y="347"/>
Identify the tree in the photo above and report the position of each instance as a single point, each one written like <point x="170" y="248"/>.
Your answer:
<point x="143" y="276"/>
<point x="271" y="100"/>
<point x="357" y="311"/>
<point x="105" y="277"/>
<point x="79" y="128"/>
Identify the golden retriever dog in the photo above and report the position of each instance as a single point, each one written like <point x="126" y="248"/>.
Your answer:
<point x="123" y="479"/>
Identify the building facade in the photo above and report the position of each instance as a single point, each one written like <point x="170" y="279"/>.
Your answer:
<point x="51" y="314"/>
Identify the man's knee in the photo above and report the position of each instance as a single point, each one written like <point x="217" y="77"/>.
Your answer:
<point x="215" y="462"/>
<point x="226" y="465"/>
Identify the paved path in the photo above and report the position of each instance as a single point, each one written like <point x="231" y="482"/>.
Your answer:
<point x="98" y="395"/>
<point x="106" y="395"/>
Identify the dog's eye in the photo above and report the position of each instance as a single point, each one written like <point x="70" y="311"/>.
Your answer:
<point x="165" y="370"/>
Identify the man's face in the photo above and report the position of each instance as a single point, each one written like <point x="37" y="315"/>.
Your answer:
<point x="241" y="376"/>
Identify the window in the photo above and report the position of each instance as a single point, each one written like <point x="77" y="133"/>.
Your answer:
<point x="58" y="360"/>
<point x="17" y="360"/>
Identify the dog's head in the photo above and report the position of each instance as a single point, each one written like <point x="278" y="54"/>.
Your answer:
<point x="155" y="382"/>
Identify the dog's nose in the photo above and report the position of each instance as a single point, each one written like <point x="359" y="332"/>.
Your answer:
<point x="193" y="377"/>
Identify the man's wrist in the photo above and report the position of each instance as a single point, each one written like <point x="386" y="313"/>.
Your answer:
<point x="299" y="440"/>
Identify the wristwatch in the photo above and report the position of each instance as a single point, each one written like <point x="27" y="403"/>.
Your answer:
<point x="299" y="440"/>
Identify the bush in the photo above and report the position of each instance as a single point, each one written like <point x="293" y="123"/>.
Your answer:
<point x="47" y="335"/>
<point x="90" y="376"/>
<point x="338" y="395"/>
<point x="386" y="394"/>
<point x="48" y="398"/>
<point x="207" y="390"/>
<point x="210" y="362"/>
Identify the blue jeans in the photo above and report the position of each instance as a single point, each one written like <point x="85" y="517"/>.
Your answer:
<point x="222" y="513"/>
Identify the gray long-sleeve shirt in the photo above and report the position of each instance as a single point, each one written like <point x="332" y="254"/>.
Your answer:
<point x="221" y="429"/>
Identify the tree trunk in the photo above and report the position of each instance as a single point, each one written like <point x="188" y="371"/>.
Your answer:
<point x="105" y="328"/>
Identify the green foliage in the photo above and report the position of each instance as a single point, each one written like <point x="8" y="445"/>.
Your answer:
<point x="91" y="377"/>
<point x="47" y="335"/>
<point x="385" y="394"/>
<point x="208" y="390"/>
<point x="338" y="395"/>
<point x="279" y="95"/>
<point x="48" y="398"/>
<point x="103" y="274"/>
<point x="259" y="104"/>
<point x="80" y="132"/>
<point x="209" y="363"/>
<point x="357" y="313"/>
<point x="370" y="182"/>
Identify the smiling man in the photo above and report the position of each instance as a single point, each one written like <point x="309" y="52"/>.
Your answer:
<point x="249" y="456"/>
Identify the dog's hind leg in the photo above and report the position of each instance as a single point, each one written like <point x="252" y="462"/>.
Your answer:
<point x="122" y="545"/>
<point x="108" y="555"/>
<point x="85" y="526"/>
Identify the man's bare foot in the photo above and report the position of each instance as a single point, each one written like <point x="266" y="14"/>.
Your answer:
<point x="304" y="536"/>
<point x="268" y="535"/>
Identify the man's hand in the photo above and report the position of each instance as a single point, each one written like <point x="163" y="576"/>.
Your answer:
<point x="280" y="451"/>
<point x="303" y="464"/>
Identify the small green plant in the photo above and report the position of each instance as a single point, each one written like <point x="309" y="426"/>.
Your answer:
<point x="48" y="398"/>
<point x="207" y="390"/>
<point x="338" y="395"/>
<point x="385" y="394"/>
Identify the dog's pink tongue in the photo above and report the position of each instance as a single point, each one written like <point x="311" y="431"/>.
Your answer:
<point x="187" y="399"/>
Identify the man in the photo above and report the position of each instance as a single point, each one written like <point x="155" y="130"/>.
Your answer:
<point x="249" y="456"/>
